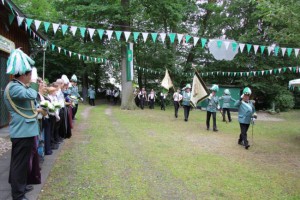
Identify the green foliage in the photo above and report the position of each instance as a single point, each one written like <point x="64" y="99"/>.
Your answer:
<point x="284" y="100"/>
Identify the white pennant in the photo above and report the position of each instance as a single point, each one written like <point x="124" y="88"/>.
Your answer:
<point x="283" y="50"/>
<point x="95" y="59"/>
<point x="255" y="48"/>
<point x="247" y="73"/>
<point x="37" y="24"/>
<point x="279" y="70"/>
<point x="270" y="71"/>
<point x="20" y="20"/>
<point x="196" y="40"/>
<point x="296" y="52"/>
<point x="79" y="56"/>
<point x="290" y="68"/>
<point x="73" y="30"/>
<point x="270" y="48"/>
<point x="226" y="43"/>
<point x="262" y="72"/>
<point x="234" y="73"/>
<point x="163" y="37"/>
<point x="242" y="46"/>
<point x="87" y="58"/>
<point x="91" y="32"/>
<point x="59" y="48"/>
<point x="145" y="35"/>
<point x="70" y="53"/>
<point x="55" y="27"/>
<point x="109" y="34"/>
<point x="218" y="73"/>
<point x="179" y="37"/>
<point x="254" y="73"/>
<point x="223" y="73"/>
<point x="127" y="35"/>
<point x="241" y="73"/>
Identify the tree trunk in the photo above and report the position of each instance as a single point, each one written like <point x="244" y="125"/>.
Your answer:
<point x="127" y="98"/>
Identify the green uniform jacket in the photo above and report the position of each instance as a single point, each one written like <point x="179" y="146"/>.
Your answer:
<point x="92" y="94"/>
<point x="212" y="104"/>
<point x="226" y="101"/>
<point x="22" y="96"/>
<point x="246" y="110"/>
<point x="186" y="98"/>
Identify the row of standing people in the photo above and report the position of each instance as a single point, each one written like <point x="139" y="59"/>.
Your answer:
<point x="246" y="109"/>
<point x="112" y="95"/>
<point x="141" y="98"/>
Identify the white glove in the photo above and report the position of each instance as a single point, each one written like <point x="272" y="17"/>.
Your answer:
<point x="242" y="96"/>
<point x="218" y="107"/>
<point x="210" y="96"/>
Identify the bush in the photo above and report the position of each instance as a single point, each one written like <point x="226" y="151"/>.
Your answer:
<point x="284" y="101"/>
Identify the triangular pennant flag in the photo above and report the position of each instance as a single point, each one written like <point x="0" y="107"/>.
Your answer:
<point x="145" y="35"/>
<point x="234" y="45"/>
<point x="82" y="31"/>
<point x="172" y="37"/>
<point x="241" y="73"/>
<point x="100" y="32"/>
<point x="79" y="55"/>
<point x="199" y="90"/>
<point x="255" y="48"/>
<point x="226" y="43"/>
<point x="234" y="73"/>
<point x="254" y="73"/>
<point x="279" y="70"/>
<point x="28" y="21"/>
<point x="59" y="48"/>
<point x="52" y="47"/>
<point x="187" y="38"/>
<point x="118" y="34"/>
<point x="91" y="32"/>
<point x="241" y="45"/>
<point x="270" y="49"/>
<point x="219" y="43"/>
<point x="127" y="35"/>
<point x="276" y="50"/>
<point x="179" y="37"/>
<point x="203" y="42"/>
<point x="55" y="27"/>
<point x="289" y="51"/>
<point x="11" y="18"/>
<point x="65" y="51"/>
<point x="283" y="51"/>
<point x="37" y="24"/>
<point x="135" y="36"/>
<point x="270" y="71"/>
<point x="249" y="47"/>
<point x="64" y="28"/>
<point x="195" y="40"/>
<point x="247" y="73"/>
<point x="70" y="53"/>
<point x="20" y="20"/>
<point x="87" y="58"/>
<point x="154" y="36"/>
<point x="275" y="71"/>
<point x="290" y="68"/>
<point x="73" y="30"/>
<point x="109" y="34"/>
<point x="296" y="52"/>
<point x="46" y="26"/>
<point x="163" y="37"/>
<point x="262" y="72"/>
<point x="262" y="49"/>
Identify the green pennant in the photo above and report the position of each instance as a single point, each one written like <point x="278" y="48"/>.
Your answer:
<point x="64" y="28"/>
<point x="284" y="69"/>
<point x="234" y="46"/>
<point x="249" y="47"/>
<point x="52" y="47"/>
<point x="100" y="32"/>
<point x="28" y="22"/>
<point x="74" y="54"/>
<point x="83" y="57"/>
<point x="65" y="51"/>
<point x="11" y="18"/>
<point x="266" y="72"/>
<point x="98" y="59"/>
<point x="244" y="73"/>
<point x="82" y="31"/>
<point x="219" y="43"/>
<point x="276" y="50"/>
<point x="251" y="73"/>
<point x="187" y="38"/>
<point x="231" y="73"/>
<point x="46" y="25"/>
<point x="154" y="36"/>
<point x="262" y="49"/>
<point x="203" y="42"/>
<point x="259" y="73"/>
<point x="172" y="37"/>
<point x="294" y="69"/>
<point x="118" y="35"/>
<point x="275" y="71"/>
<point x="135" y="36"/>
<point x="289" y="51"/>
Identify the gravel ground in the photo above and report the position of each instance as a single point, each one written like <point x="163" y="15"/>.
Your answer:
<point x="5" y="145"/>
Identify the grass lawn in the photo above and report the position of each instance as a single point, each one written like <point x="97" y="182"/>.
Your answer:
<point x="149" y="154"/>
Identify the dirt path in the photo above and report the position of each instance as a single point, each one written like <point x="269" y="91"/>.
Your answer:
<point x="161" y="181"/>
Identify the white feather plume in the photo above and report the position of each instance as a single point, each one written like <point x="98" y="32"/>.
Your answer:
<point x="18" y="62"/>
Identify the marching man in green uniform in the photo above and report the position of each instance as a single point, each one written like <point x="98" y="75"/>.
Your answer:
<point x="212" y="106"/>
<point x="226" y="104"/>
<point x="186" y="98"/>
<point x="19" y="99"/>
<point x="246" y="112"/>
<point x="74" y="93"/>
<point x="92" y="95"/>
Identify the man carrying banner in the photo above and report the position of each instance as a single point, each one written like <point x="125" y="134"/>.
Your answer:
<point x="212" y="106"/>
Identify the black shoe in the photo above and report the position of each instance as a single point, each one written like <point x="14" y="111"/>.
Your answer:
<point x="24" y="198"/>
<point x="240" y="142"/>
<point x="207" y="129"/>
<point x="247" y="146"/>
<point x="215" y="130"/>
<point x="28" y="188"/>
<point x="185" y="120"/>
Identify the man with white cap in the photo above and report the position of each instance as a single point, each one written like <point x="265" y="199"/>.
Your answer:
<point x="212" y="106"/>
<point x="19" y="98"/>
<point x="226" y="104"/>
<point x="186" y="98"/>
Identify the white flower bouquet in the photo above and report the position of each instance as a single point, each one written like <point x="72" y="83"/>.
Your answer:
<point x="56" y="104"/>
<point x="51" y="108"/>
<point x="45" y="104"/>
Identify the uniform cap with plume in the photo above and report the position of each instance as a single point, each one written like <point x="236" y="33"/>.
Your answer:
<point x="74" y="78"/>
<point x="187" y="86"/>
<point x="65" y="79"/>
<point x="18" y="62"/>
<point x="247" y="90"/>
<point x="214" y="88"/>
<point x="226" y="91"/>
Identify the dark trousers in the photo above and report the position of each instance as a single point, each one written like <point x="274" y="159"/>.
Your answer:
<point x="92" y="102"/>
<point x="19" y="165"/>
<point x="208" y="114"/>
<point x="228" y="114"/>
<point x="47" y="135"/>
<point x="151" y="103"/>
<point x="243" y="135"/>
<point x="163" y="105"/>
<point x="186" y="112"/>
<point x="176" y="106"/>
<point x="74" y="110"/>
<point x="142" y="103"/>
